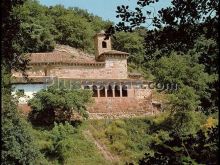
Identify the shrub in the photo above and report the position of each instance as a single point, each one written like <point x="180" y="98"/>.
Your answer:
<point x="118" y="147"/>
<point x="57" y="105"/>
<point x="114" y="133"/>
<point x="62" y="140"/>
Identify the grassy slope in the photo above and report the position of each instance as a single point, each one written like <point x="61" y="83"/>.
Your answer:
<point x="126" y="139"/>
<point x="83" y="152"/>
<point x="129" y="139"/>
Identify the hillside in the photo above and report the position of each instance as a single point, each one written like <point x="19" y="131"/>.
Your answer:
<point x="42" y="27"/>
<point x="182" y="51"/>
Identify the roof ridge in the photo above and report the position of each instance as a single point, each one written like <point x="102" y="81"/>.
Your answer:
<point x="72" y="50"/>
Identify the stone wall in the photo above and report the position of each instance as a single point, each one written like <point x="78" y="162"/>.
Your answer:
<point x="115" y="68"/>
<point x="122" y="104"/>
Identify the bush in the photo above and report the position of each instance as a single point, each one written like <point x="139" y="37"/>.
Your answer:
<point x="200" y="148"/>
<point x="118" y="147"/>
<point x="114" y="132"/>
<point x="62" y="140"/>
<point x="57" y="105"/>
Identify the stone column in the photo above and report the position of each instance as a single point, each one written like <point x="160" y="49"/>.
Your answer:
<point x="106" y="88"/>
<point x="113" y="90"/>
<point x="98" y="91"/>
<point x="120" y="90"/>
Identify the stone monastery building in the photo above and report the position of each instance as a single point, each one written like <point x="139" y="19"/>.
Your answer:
<point x="114" y="89"/>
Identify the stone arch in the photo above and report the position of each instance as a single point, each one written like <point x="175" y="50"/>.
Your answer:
<point x="102" y="90"/>
<point x="124" y="91"/>
<point x="109" y="91"/>
<point x="117" y="91"/>
<point x="104" y="44"/>
<point x="95" y="91"/>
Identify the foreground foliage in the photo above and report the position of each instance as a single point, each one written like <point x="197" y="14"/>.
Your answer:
<point x="17" y="142"/>
<point x="201" y="148"/>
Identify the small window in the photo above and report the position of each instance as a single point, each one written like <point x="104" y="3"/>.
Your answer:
<point x="104" y="44"/>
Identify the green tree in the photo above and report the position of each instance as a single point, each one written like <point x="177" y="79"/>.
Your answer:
<point x="96" y="23"/>
<point x="62" y="141"/>
<point x="17" y="143"/>
<point x="191" y="149"/>
<point x="58" y="105"/>
<point x="37" y="29"/>
<point x="181" y="27"/>
<point x="76" y="27"/>
<point x="181" y="49"/>
<point x="178" y="25"/>
<point x="132" y="43"/>
<point x="183" y="70"/>
<point x="75" y="31"/>
<point x="41" y="27"/>
<point x="190" y="76"/>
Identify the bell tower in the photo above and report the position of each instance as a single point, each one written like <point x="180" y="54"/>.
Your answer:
<point x="101" y="43"/>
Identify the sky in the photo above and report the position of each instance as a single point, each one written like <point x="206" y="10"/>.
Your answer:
<point x="103" y="8"/>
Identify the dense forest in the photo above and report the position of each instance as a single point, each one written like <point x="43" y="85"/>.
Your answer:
<point x="182" y="49"/>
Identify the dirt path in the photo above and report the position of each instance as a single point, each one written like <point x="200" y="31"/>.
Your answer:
<point x="101" y="147"/>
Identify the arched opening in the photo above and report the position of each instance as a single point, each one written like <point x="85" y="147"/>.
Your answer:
<point x="124" y="91"/>
<point x="95" y="91"/>
<point x="102" y="91"/>
<point x="117" y="91"/>
<point x="104" y="44"/>
<point x="109" y="91"/>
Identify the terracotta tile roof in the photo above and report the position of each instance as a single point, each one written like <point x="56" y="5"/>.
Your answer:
<point x="62" y="54"/>
<point x="115" y="52"/>
<point x="102" y="56"/>
<point x="39" y="79"/>
<point x="68" y="55"/>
